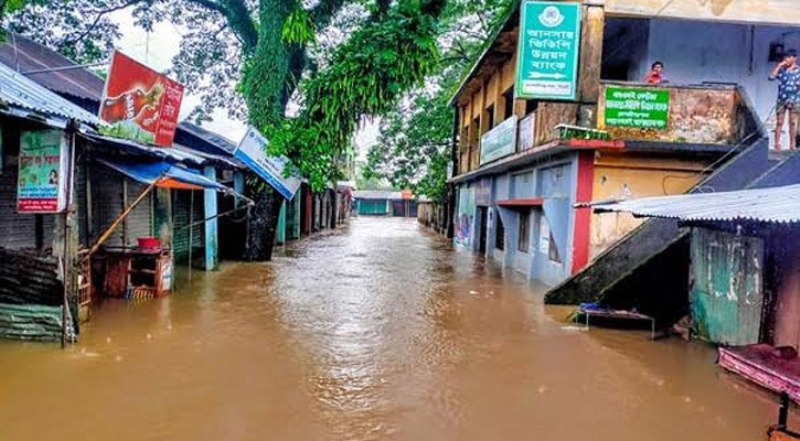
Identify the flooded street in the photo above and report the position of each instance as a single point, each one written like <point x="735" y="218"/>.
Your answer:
<point x="379" y="331"/>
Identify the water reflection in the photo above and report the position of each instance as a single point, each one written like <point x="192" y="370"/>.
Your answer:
<point x="380" y="331"/>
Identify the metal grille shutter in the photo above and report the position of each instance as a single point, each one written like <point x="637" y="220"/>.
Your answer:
<point x="139" y="222"/>
<point x="106" y="202"/>
<point x="181" y="206"/>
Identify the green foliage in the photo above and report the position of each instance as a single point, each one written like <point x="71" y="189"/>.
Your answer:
<point x="299" y="28"/>
<point x="366" y="76"/>
<point x="414" y="144"/>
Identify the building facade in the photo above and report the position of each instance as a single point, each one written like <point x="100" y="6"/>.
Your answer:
<point x="525" y="167"/>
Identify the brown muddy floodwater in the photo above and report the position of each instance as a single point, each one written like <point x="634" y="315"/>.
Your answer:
<point x="379" y="331"/>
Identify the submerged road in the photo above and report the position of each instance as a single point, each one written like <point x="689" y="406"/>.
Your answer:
<point x="379" y="331"/>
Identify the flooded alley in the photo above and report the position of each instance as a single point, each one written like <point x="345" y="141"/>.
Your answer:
<point x="377" y="331"/>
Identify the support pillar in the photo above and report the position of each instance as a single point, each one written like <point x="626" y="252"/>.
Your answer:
<point x="210" y="213"/>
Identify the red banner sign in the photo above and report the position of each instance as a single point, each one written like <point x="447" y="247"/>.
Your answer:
<point x="139" y="103"/>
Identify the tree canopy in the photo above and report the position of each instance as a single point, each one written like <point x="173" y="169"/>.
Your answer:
<point x="413" y="150"/>
<point x="274" y="51"/>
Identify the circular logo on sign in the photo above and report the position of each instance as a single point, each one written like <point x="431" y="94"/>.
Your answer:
<point x="551" y="17"/>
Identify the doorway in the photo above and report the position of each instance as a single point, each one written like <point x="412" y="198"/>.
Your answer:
<point x="483" y="214"/>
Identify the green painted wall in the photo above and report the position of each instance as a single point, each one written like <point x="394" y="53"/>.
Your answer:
<point x="373" y="207"/>
<point x="727" y="295"/>
<point x="281" y="233"/>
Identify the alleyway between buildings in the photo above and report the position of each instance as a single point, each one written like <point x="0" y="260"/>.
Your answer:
<point x="378" y="331"/>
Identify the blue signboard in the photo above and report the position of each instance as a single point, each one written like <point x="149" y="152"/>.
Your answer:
<point x="253" y="152"/>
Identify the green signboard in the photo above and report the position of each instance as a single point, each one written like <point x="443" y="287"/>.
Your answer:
<point x="549" y="43"/>
<point x="500" y="141"/>
<point x="639" y="107"/>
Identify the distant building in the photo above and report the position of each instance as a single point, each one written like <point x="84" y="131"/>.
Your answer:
<point x="385" y="203"/>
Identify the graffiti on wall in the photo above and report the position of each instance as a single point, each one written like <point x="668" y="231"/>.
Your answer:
<point x="465" y="216"/>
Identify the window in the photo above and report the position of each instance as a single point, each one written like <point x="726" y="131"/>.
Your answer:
<point x="508" y="98"/>
<point x="490" y="118"/>
<point x="524" y="231"/>
<point x="499" y="234"/>
<point x="531" y="106"/>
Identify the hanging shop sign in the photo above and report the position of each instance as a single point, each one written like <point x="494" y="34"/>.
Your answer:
<point x="253" y="152"/>
<point x="500" y="141"/>
<point x="549" y="44"/>
<point x="43" y="168"/>
<point x="527" y="132"/>
<point x="139" y="103"/>
<point x="641" y="107"/>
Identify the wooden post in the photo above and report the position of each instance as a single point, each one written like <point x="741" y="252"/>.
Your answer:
<point x="106" y="234"/>
<point x="65" y="258"/>
<point x="591" y="57"/>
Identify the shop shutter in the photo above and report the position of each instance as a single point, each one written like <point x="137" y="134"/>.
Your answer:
<point x="107" y="202"/>
<point x="139" y="221"/>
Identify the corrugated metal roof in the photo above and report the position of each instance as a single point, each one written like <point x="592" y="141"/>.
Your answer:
<point x="179" y="154"/>
<point x="776" y="205"/>
<point x="20" y="92"/>
<point x="219" y="141"/>
<point x="25" y="55"/>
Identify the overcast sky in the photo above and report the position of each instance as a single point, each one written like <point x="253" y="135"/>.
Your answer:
<point x="156" y="50"/>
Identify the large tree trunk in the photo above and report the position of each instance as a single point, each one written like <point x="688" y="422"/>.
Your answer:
<point x="262" y="225"/>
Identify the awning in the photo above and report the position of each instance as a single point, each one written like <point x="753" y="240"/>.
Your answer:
<point x="775" y="205"/>
<point x="521" y="202"/>
<point x="166" y="175"/>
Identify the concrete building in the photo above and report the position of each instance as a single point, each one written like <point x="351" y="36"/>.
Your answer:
<point x="524" y="167"/>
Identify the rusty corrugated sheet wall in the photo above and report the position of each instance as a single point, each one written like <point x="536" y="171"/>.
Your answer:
<point x="81" y="202"/>
<point x="727" y="290"/>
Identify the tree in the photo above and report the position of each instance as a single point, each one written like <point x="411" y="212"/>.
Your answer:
<point x="415" y="138"/>
<point x="266" y="47"/>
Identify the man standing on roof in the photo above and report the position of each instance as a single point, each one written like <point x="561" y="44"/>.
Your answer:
<point x="787" y="73"/>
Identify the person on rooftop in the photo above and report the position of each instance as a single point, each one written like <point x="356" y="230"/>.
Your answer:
<point x="656" y="74"/>
<point x="787" y="73"/>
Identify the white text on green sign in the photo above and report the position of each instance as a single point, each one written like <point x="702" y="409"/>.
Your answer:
<point x="549" y="43"/>
<point x="637" y="107"/>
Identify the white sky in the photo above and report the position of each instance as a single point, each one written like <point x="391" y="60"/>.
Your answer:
<point x="156" y="49"/>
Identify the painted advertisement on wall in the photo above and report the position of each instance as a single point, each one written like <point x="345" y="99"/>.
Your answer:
<point x="253" y="152"/>
<point x="465" y="216"/>
<point x="43" y="166"/>
<point x="549" y="44"/>
<point x="139" y="103"/>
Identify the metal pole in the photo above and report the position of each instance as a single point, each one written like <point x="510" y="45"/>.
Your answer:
<point x="63" y="68"/>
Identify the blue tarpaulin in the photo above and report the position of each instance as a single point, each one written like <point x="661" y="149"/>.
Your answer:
<point x="167" y="175"/>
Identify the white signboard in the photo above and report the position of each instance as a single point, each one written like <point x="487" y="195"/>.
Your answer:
<point x="253" y="152"/>
<point x="544" y="236"/>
